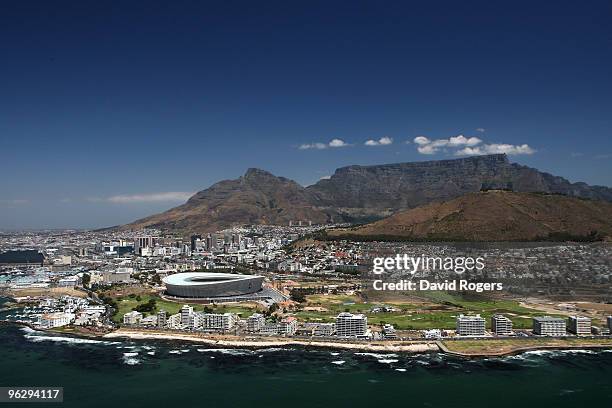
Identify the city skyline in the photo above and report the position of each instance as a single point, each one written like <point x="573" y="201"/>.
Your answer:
<point x="113" y="115"/>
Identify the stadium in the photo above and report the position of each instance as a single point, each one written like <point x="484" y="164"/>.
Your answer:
<point x="211" y="285"/>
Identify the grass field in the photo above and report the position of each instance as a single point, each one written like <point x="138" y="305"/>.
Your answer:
<point x="126" y="304"/>
<point x="439" y="310"/>
<point x="509" y="345"/>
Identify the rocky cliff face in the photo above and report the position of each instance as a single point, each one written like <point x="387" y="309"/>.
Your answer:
<point x="408" y="185"/>
<point x="356" y="193"/>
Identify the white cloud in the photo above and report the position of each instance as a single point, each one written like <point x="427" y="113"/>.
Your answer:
<point x="313" y="146"/>
<point x="321" y="146"/>
<point x="170" y="196"/>
<point x="421" y="140"/>
<point x="496" y="148"/>
<point x="428" y="146"/>
<point x="462" y="140"/>
<point x="427" y="149"/>
<point x="383" y="141"/>
<point x="481" y="130"/>
<point x="325" y="178"/>
<point x="468" y="146"/>
<point x="337" y="143"/>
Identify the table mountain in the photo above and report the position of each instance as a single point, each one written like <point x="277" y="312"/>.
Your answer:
<point x="408" y="185"/>
<point x="356" y="193"/>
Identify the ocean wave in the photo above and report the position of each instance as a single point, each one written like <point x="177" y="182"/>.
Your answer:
<point x="401" y="370"/>
<point x="130" y="354"/>
<point x="339" y="362"/>
<point x="232" y="352"/>
<point x="38" y="338"/>
<point x="130" y="360"/>
<point x="387" y="361"/>
<point x="377" y="356"/>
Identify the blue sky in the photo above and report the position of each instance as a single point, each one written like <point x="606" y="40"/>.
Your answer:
<point x="112" y="111"/>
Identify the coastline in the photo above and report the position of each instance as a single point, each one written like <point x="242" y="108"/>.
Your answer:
<point x="227" y="341"/>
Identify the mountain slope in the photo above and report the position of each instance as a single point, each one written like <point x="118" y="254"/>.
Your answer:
<point x="258" y="197"/>
<point x="355" y="193"/>
<point x="495" y="216"/>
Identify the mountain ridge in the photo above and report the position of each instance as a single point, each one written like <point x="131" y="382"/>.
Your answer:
<point x="355" y="193"/>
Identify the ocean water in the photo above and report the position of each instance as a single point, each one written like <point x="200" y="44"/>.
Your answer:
<point x="96" y="373"/>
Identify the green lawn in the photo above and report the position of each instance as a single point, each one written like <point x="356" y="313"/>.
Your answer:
<point x="126" y="304"/>
<point x="412" y="316"/>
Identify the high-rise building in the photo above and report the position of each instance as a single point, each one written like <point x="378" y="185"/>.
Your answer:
<point x="211" y="242"/>
<point x="501" y="325"/>
<point x="186" y="313"/>
<point x="548" y="326"/>
<point x="196" y="242"/>
<point x="143" y="242"/>
<point x="470" y="325"/>
<point x="162" y="318"/>
<point x="351" y="325"/>
<point x="580" y="325"/>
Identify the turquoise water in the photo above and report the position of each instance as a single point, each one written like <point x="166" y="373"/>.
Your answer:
<point x="161" y="374"/>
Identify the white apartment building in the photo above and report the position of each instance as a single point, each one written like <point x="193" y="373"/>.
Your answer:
<point x="162" y="318"/>
<point x="579" y="325"/>
<point x="215" y="321"/>
<point x="132" y="317"/>
<point x="255" y="322"/>
<point x="548" y="326"/>
<point x="174" y="321"/>
<point x="351" y="325"/>
<point x="470" y="325"/>
<point x="58" y="319"/>
<point x="501" y="325"/>
<point x="288" y="326"/>
<point x="186" y="316"/>
<point x="389" y="332"/>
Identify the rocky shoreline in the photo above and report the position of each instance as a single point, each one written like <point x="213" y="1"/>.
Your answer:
<point x="228" y="342"/>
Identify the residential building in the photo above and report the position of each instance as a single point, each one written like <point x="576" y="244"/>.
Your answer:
<point x="325" y="329"/>
<point x="255" y="322"/>
<point x="186" y="316"/>
<point x="132" y="317"/>
<point x="162" y="318"/>
<point x="501" y="325"/>
<point x="549" y="326"/>
<point x="470" y="325"/>
<point x="389" y="332"/>
<point x="288" y="326"/>
<point x="351" y="325"/>
<point x="579" y="325"/>
<point x="58" y="319"/>
<point x="216" y="321"/>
